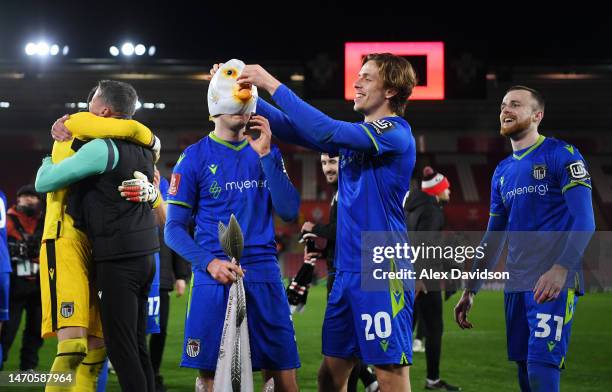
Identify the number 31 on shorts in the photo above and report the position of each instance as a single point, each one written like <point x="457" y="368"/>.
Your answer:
<point x="543" y="319"/>
<point x="382" y="325"/>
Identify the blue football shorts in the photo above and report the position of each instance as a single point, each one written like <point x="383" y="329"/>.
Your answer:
<point x="375" y="326"/>
<point x="271" y="332"/>
<point x="153" y="303"/>
<point x="539" y="332"/>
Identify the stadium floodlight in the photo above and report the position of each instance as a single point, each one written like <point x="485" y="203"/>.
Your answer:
<point x="82" y="105"/>
<point x="127" y="49"/>
<point x="140" y="49"/>
<point x="148" y="105"/>
<point x="42" y="48"/>
<point x="30" y="49"/>
<point x="130" y="49"/>
<point x="138" y="105"/>
<point x="5" y="105"/>
<point x="160" y="105"/>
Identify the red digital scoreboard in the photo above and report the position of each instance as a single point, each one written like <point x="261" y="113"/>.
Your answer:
<point x="433" y="52"/>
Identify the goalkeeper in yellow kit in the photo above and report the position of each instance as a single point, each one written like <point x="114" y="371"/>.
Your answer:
<point x="69" y="302"/>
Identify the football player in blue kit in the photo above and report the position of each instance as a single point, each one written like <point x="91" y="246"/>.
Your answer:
<point x="234" y="171"/>
<point x="541" y="204"/>
<point x="154" y="301"/>
<point x="377" y="158"/>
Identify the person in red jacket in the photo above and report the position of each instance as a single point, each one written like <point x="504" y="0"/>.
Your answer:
<point x="24" y="231"/>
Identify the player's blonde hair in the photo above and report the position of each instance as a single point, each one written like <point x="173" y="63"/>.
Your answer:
<point x="397" y="74"/>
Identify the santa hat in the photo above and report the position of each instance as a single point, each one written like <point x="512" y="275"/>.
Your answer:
<point x="433" y="183"/>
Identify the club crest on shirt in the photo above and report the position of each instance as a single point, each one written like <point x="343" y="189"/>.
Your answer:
<point x="539" y="171"/>
<point x="193" y="347"/>
<point x="382" y="126"/>
<point x="67" y="309"/>
<point x="174" y="184"/>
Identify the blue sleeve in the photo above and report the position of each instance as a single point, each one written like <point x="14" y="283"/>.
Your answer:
<point x="580" y="206"/>
<point x="283" y="128"/>
<point x="163" y="187"/>
<point x="285" y="197"/>
<point x="493" y="243"/>
<point x="176" y="235"/>
<point x="322" y="128"/>
<point x="497" y="208"/>
<point x="389" y="135"/>
<point x="184" y="182"/>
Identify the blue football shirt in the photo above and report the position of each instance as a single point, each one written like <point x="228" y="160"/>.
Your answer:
<point x="215" y="179"/>
<point x="372" y="187"/>
<point x="527" y="188"/>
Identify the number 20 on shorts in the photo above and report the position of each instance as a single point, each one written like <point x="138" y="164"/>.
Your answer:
<point x="382" y="325"/>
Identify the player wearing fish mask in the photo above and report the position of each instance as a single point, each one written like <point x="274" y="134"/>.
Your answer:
<point x="233" y="171"/>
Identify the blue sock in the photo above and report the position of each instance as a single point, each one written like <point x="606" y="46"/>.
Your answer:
<point x="523" y="376"/>
<point x="1" y="357"/>
<point x="544" y="377"/>
<point x="102" y="378"/>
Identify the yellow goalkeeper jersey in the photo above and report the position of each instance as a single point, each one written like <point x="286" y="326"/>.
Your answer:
<point x="85" y="126"/>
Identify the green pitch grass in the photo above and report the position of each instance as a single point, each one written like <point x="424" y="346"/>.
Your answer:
<point x="475" y="359"/>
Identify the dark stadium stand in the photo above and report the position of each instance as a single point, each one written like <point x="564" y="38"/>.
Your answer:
<point x="458" y="137"/>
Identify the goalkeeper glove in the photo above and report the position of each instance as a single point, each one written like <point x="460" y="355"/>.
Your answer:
<point x="139" y="190"/>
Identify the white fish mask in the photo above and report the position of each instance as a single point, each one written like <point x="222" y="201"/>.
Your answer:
<point x="225" y="96"/>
